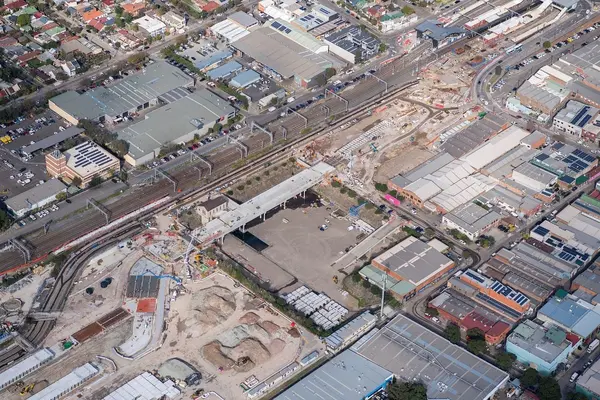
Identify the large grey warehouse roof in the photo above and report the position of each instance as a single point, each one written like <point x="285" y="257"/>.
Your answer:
<point x="53" y="140"/>
<point x="36" y="194"/>
<point x="348" y="376"/>
<point x="243" y="19"/>
<point x="412" y="352"/>
<point x="173" y="121"/>
<point x="131" y="92"/>
<point x="281" y="54"/>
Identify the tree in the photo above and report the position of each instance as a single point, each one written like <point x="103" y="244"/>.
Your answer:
<point x="547" y="44"/>
<point x="452" y="333"/>
<point x="123" y="175"/>
<point x="393" y="193"/>
<point x="549" y="389"/>
<point x="76" y="181"/>
<point x="382" y="187"/>
<point x="505" y="360"/>
<point x="407" y="10"/>
<point x="23" y="20"/>
<point x="128" y="18"/>
<point x="320" y="80"/>
<point x="406" y="391"/>
<point x="529" y="378"/>
<point x="429" y="232"/>
<point x="358" y="56"/>
<point x="120" y="147"/>
<point x="476" y="345"/>
<point x="137" y="58"/>
<point x="5" y="220"/>
<point x="329" y="72"/>
<point x="135" y="27"/>
<point x="118" y="10"/>
<point x="382" y="47"/>
<point x="432" y="312"/>
<point x="576" y="396"/>
<point x="356" y="278"/>
<point x="95" y="181"/>
<point x="61" y="196"/>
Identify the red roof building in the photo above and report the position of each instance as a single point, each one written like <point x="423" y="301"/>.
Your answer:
<point x="98" y="23"/>
<point x="22" y="60"/>
<point x="498" y="332"/>
<point x="7" y="41"/>
<point x="15" y="5"/>
<point x="210" y="7"/>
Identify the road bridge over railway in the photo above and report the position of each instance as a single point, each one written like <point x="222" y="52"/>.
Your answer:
<point x="261" y="204"/>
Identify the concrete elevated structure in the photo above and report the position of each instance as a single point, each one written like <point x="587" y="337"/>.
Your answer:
<point x="261" y="204"/>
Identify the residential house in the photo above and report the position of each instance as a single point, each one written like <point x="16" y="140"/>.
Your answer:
<point x="134" y="9"/>
<point x="70" y="67"/>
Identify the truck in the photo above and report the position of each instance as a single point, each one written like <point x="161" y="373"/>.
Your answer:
<point x="593" y="346"/>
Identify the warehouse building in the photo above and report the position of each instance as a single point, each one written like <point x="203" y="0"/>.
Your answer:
<point x="589" y="382"/>
<point x="495" y="292"/>
<point x="541" y="347"/>
<point x="299" y="37"/>
<point x="177" y="122"/>
<point x="351" y="331"/>
<point x="245" y="79"/>
<point x="318" y="16"/>
<point x="27" y="366"/>
<point x="225" y="70"/>
<point x="36" y="197"/>
<point x="67" y="383"/>
<point x="84" y="161"/>
<point x="413" y="262"/>
<point x="572" y="314"/>
<point x="53" y="140"/>
<point x="533" y="177"/>
<point x="589" y="282"/>
<point x="472" y="219"/>
<point x="353" y="44"/>
<point x="281" y="58"/>
<point x="574" y="117"/>
<point x="517" y="279"/>
<point x="208" y="63"/>
<point x="145" y="386"/>
<point x="129" y="95"/>
<point x="348" y="376"/>
<point x="440" y="35"/>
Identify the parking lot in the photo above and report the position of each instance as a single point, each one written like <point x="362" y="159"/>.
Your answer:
<point x="18" y="174"/>
<point x="297" y="246"/>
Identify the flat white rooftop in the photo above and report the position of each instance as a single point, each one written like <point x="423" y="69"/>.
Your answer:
<point x="31" y="363"/>
<point x="263" y="203"/>
<point x="144" y="387"/>
<point x="67" y="383"/>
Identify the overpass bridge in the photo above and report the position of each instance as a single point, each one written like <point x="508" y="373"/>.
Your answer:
<point x="261" y="204"/>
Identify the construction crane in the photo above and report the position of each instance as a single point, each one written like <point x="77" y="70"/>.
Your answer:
<point x="176" y="279"/>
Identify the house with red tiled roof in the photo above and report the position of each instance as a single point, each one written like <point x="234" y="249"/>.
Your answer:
<point x="134" y="9"/>
<point x="98" y="23"/>
<point x="210" y="6"/>
<point x="90" y="15"/>
<point x="15" y="5"/>
<point x="22" y="60"/>
<point x="7" y="41"/>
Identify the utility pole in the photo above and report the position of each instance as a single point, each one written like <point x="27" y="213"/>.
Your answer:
<point x="383" y="296"/>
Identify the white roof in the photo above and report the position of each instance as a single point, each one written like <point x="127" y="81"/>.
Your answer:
<point x="463" y="191"/>
<point x="229" y="30"/>
<point x="556" y="73"/>
<point x="66" y="383"/>
<point x="440" y="179"/>
<point x="144" y="387"/>
<point x="88" y="158"/>
<point x="495" y="147"/>
<point x="423" y="188"/>
<point x="149" y="24"/>
<point x="31" y="363"/>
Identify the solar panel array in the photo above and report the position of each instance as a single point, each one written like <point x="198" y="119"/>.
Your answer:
<point x="540" y="230"/>
<point x="475" y="277"/>
<point x="281" y="27"/>
<point x="321" y="309"/>
<point x="509" y="293"/>
<point x="90" y="153"/>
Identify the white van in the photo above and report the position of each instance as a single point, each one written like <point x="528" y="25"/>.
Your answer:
<point x="574" y="377"/>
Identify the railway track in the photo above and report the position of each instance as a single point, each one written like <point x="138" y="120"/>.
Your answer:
<point x="222" y="161"/>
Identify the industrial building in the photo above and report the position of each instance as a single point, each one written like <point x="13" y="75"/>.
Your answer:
<point x="494" y="291"/>
<point x="533" y="177"/>
<point x="318" y="16"/>
<point x="129" y="95"/>
<point x="589" y="282"/>
<point x="147" y="386"/>
<point x="34" y="198"/>
<point x="408" y="351"/>
<point x="466" y="313"/>
<point x="541" y="347"/>
<point x="67" y="383"/>
<point x="282" y="58"/>
<point x="298" y="36"/>
<point x="176" y="122"/>
<point x="573" y="118"/>
<point x="517" y="279"/>
<point x="348" y="376"/>
<point x="353" y="44"/>
<point x="413" y="262"/>
<point x="472" y="219"/>
<point x="208" y="63"/>
<point x="351" y="331"/>
<point x="27" y="366"/>
<point x="225" y="70"/>
<point x="245" y="79"/>
<point x="84" y="161"/>
<point x="589" y="382"/>
<point x="572" y="314"/>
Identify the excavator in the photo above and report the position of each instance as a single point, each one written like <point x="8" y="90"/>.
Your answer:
<point x="335" y="279"/>
<point x="27" y="389"/>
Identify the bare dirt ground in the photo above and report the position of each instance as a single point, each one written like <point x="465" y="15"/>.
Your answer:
<point x="399" y="160"/>
<point x="82" y="309"/>
<point x="343" y="202"/>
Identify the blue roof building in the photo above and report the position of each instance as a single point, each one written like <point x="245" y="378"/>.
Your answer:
<point x="225" y="70"/>
<point x="245" y="79"/>
<point x="212" y="61"/>
<point x="571" y="314"/>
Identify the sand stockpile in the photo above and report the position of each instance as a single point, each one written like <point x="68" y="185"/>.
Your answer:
<point x="208" y="308"/>
<point x="276" y="346"/>
<point x="271" y="327"/>
<point x="249" y="318"/>
<point x="242" y="358"/>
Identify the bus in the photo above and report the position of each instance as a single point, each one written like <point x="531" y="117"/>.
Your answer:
<point x="514" y="49"/>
